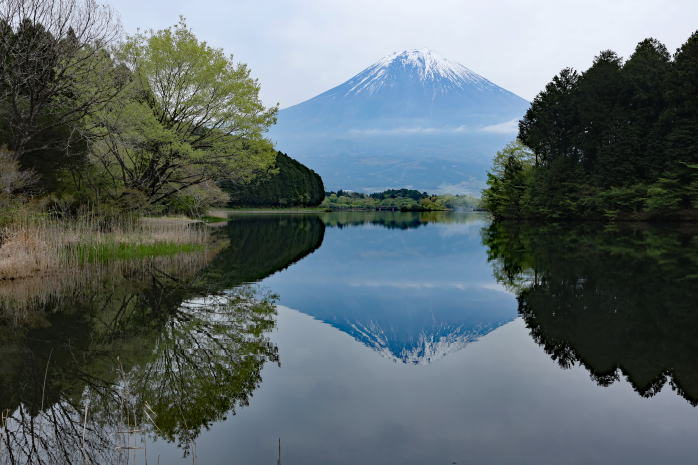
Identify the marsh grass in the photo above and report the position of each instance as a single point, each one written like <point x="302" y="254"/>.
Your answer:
<point x="40" y="246"/>
<point x="110" y="251"/>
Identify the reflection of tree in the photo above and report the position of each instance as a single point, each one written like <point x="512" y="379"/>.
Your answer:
<point x="207" y="361"/>
<point x="261" y="245"/>
<point x="617" y="301"/>
<point x="136" y="354"/>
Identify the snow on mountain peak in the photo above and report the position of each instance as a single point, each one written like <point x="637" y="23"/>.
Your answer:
<point x="429" y="67"/>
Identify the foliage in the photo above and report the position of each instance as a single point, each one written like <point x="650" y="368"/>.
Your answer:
<point x="190" y="116"/>
<point x="149" y="125"/>
<point x="398" y="199"/>
<point x="619" y="140"/>
<point x="53" y="75"/>
<point x="288" y="183"/>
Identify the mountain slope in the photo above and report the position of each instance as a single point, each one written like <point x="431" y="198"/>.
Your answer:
<point x="412" y="119"/>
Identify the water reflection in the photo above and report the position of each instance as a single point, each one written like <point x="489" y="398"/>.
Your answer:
<point x="155" y="352"/>
<point x="620" y="301"/>
<point x="415" y="291"/>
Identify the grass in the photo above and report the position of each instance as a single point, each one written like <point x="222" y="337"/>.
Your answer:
<point x="111" y="251"/>
<point x="213" y="219"/>
<point x="39" y="246"/>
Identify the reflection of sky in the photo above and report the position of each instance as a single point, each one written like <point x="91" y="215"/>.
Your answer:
<point x="500" y="401"/>
<point x="414" y="295"/>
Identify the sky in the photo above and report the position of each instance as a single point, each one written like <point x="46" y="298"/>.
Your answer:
<point x="300" y="48"/>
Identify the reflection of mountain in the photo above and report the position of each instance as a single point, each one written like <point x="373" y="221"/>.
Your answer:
<point x="618" y="302"/>
<point x="416" y="327"/>
<point x="413" y="295"/>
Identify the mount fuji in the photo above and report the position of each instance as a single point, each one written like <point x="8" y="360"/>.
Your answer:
<point x="412" y="119"/>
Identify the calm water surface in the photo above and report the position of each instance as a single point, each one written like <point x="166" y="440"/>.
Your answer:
<point x="371" y="338"/>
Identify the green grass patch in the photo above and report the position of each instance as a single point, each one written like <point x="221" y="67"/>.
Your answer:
<point x="110" y="251"/>
<point x="213" y="219"/>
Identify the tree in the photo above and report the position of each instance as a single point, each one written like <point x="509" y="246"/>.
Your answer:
<point x="682" y="110"/>
<point x="509" y="179"/>
<point x="52" y="64"/>
<point x="645" y="73"/>
<point x="190" y="115"/>
<point x="548" y="126"/>
<point x="290" y="183"/>
<point x="619" y="138"/>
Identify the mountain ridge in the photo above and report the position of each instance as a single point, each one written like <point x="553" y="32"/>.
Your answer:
<point x="410" y="106"/>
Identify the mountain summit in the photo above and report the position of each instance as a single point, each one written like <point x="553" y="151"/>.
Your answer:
<point x="412" y="119"/>
<point x="431" y="70"/>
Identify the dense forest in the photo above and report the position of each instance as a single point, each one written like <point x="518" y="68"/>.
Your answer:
<point x="619" y="140"/>
<point x="289" y="184"/>
<point x="398" y="199"/>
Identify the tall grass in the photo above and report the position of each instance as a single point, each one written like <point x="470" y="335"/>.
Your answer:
<point x="39" y="246"/>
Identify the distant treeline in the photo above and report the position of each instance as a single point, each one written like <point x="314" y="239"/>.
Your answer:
<point x="618" y="140"/>
<point x="398" y="199"/>
<point x="290" y="184"/>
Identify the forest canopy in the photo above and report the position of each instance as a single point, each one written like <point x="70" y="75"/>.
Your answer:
<point x="398" y="199"/>
<point x="619" y="140"/>
<point x="288" y="184"/>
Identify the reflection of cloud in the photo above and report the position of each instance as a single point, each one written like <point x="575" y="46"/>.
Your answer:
<point x="470" y="230"/>
<point x="508" y="127"/>
<point x="492" y="286"/>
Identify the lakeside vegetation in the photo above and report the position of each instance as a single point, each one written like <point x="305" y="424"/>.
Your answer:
<point x="398" y="199"/>
<point x="618" y="141"/>
<point x="289" y="184"/>
<point x="101" y="130"/>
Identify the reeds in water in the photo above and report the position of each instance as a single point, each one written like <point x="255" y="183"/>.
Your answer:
<point x="40" y="246"/>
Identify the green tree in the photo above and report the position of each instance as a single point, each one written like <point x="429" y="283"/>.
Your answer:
<point x="289" y="183"/>
<point x="618" y="139"/>
<point x="191" y="115"/>
<point x="52" y="66"/>
<point x="508" y="180"/>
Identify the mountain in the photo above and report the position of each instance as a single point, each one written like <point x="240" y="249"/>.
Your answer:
<point x="412" y="119"/>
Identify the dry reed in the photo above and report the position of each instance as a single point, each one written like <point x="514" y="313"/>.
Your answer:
<point x="36" y="247"/>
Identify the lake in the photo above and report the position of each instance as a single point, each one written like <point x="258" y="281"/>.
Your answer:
<point x="365" y="338"/>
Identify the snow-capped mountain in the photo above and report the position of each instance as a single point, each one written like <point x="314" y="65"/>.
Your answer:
<point x="430" y="344"/>
<point x="412" y="119"/>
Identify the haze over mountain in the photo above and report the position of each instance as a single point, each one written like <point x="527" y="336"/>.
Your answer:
<point x="412" y="119"/>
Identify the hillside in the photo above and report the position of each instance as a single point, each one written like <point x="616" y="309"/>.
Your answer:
<point x="292" y="185"/>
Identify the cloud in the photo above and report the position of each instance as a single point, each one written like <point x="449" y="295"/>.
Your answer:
<point x="508" y="127"/>
<point x="299" y="48"/>
<point x="396" y="131"/>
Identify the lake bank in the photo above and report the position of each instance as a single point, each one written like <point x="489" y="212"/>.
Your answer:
<point x="36" y="247"/>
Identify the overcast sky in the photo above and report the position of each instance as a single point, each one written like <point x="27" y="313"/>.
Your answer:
<point x="299" y="48"/>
